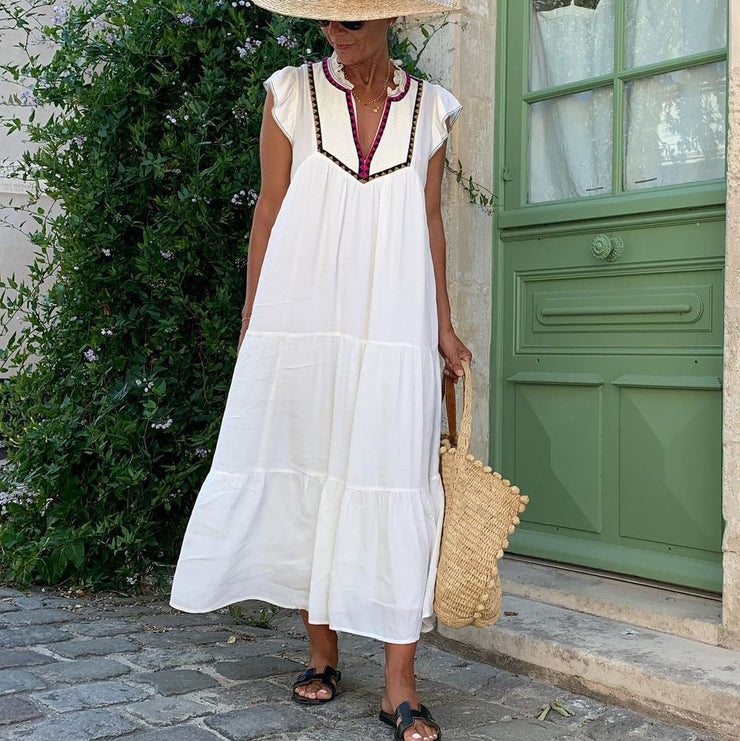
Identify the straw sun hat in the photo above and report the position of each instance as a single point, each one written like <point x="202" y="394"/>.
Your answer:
<point x="356" y="10"/>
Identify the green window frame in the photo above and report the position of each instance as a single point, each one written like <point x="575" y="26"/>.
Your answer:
<point x="514" y="172"/>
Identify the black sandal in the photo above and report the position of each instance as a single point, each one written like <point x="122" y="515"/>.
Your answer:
<point x="329" y="678"/>
<point x="408" y="716"/>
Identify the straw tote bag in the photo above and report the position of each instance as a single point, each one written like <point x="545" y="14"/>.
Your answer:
<point x="481" y="511"/>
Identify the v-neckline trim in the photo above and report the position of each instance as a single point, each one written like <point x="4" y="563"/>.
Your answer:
<point x="364" y="160"/>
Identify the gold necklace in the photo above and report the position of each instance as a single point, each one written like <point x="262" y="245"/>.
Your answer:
<point x="384" y="92"/>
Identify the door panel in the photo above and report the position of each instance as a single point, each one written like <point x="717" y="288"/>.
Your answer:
<point x="669" y="462"/>
<point x="558" y="420"/>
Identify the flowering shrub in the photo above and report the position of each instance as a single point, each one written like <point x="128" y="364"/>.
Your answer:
<point x="132" y="308"/>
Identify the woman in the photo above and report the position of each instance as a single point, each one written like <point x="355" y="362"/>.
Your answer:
<point x="324" y="492"/>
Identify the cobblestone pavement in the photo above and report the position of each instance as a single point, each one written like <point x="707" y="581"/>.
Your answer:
<point x="74" y="668"/>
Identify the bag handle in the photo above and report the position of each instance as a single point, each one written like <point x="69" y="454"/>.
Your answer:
<point x="466" y="423"/>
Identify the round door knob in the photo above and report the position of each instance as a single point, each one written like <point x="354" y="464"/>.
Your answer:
<point x="607" y="247"/>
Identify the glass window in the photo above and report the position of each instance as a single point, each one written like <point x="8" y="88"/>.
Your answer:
<point x="569" y="43"/>
<point x="659" y="30"/>
<point x="675" y="127"/>
<point x="570" y="146"/>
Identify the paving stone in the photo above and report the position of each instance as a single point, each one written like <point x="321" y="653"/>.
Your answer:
<point x="33" y="635"/>
<point x="20" y="657"/>
<point x="96" y="647"/>
<point x="257" y="631"/>
<point x="468" y="713"/>
<point x="620" y="724"/>
<point x="84" y="670"/>
<point x="177" y="639"/>
<point x="42" y="616"/>
<point x="19" y="680"/>
<point x="32" y="601"/>
<point x="525" y="729"/>
<point x="183" y="620"/>
<point x="244" y="694"/>
<point x="286" y="647"/>
<point x="16" y="708"/>
<point x="175" y="681"/>
<point x="102" y="627"/>
<point x="167" y="710"/>
<point x="8" y="607"/>
<point x="176" y="733"/>
<point x="90" y="695"/>
<point x="85" y="725"/>
<point x="152" y="659"/>
<point x="363" y="729"/>
<point x="29" y="601"/>
<point x="256" y="667"/>
<point x="10" y="592"/>
<point x="520" y="692"/>
<point x="264" y="720"/>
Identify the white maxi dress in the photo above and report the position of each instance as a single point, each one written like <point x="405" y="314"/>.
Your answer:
<point x="324" y="491"/>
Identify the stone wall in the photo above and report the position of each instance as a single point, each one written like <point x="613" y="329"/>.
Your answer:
<point x="462" y="58"/>
<point x="731" y="431"/>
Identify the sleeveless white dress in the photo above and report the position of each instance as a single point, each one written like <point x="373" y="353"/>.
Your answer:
<point x="324" y="491"/>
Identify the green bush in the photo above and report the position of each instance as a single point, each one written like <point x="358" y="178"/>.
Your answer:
<point x="132" y="309"/>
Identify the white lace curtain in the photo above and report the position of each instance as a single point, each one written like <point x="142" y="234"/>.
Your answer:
<point x="674" y="123"/>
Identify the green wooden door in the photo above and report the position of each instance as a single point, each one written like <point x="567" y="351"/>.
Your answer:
<point x="609" y="277"/>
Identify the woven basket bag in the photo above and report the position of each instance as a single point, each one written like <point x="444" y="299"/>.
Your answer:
<point x="481" y="511"/>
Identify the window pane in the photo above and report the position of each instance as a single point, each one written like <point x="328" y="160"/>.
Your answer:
<point x="570" y="146"/>
<point x="568" y="42"/>
<point x="676" y="127"/>
<point x="656" y="30"/>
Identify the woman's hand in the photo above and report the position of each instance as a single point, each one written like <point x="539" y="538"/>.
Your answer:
<point x="453" y="350"/>
<point x="245" y="326"/>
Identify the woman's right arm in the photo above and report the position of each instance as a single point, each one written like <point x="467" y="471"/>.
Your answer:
<point x="276" y="156"/>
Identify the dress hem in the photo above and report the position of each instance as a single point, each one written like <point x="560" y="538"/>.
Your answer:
<point x="297" y="607"/>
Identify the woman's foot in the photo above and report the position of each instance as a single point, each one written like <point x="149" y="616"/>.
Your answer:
<point x="396" y="691"/>
<point x="323" y="652"/>
<point x="400" y="685"/>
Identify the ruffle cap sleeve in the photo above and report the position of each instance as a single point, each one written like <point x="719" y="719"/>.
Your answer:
<point x="283" y="85"/>
<point x="447" y="108"/>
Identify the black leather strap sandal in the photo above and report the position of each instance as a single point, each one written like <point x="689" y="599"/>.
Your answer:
<point x="329" y="679"/>
<point x="408" y="716"/>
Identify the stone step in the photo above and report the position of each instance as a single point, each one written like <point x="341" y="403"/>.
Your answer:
<point x="670" y="677"/>
<point x="649" y="606"/>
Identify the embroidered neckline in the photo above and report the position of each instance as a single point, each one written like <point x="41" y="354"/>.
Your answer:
<point x="399" y="76"/>
<point x="363" y="171"/>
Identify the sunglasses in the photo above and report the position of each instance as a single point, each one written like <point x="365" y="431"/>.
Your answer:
<point x="349" y="25"/>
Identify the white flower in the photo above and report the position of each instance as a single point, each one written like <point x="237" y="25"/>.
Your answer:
<point x="90" y="355"/>
<point x="250" y="47"/>
<point x="202" y="452"/>
<point x="105" y="251"/>
<point x="61" y="13"/>
<point x="171" y="118"/>
<point x="167" y="254"/>
<point x="185" y="18"/>
<point x="27" y="98"/>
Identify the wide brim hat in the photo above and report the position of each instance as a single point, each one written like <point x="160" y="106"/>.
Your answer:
<point x="356" y="10"/>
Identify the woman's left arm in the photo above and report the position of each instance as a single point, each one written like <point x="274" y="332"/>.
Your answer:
<point x="451" y="347"/>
